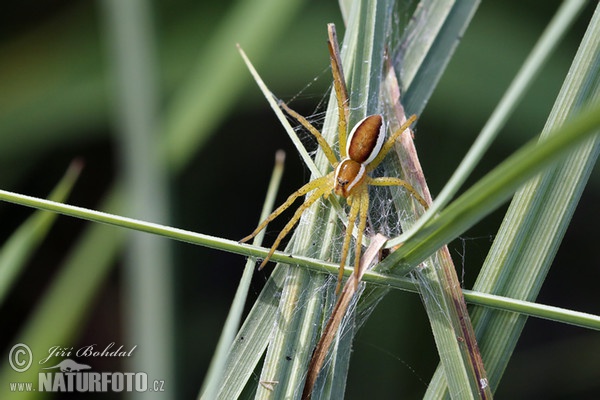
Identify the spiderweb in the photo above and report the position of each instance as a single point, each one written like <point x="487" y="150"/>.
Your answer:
<point x="307" y="296"/>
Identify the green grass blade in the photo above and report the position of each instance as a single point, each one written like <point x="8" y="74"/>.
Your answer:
<point x="23" y="242"/>
<point x="148" y="291"/>
<point x="306" y="158"/>
<point x="313" y="264"/>
<point x="528" y="308"/>
<point x="438" y="25"/>
<point x="215" y="374"/>
<point x="548" y="42"/>
<point x="538" y="217"/>
<point x="157" y="229"/>
<point x="210" y="91"/>
<point x="493" y="190"/>
<point x="60" y="315"/>
<point x="302" y="298"/>
<point x="253" y="338"/>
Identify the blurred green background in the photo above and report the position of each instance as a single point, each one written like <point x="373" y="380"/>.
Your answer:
<point x="57" y="104"/>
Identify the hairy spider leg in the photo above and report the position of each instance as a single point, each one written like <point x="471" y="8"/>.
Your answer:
<point x="317" y="184"/>
<point x="354" y="209"/>
<point x="362" y="225"/>
<point x="359" y="208"/>
<point x="322" y="190"/>
<point x="322" y="186"/>
<point x="391" y="181"/>
<point x="314" y="131"/>
<point x="339" y="84"/>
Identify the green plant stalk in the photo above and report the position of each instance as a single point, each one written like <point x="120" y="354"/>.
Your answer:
<point x="252" y="339"/>
<point x="439" y="26"/>
<point x="532" y="309"/>
<point x="59" y="319"/>
<point x="577" y="130"/>
<point x="148" y="293"/>
<point x="376" y="278"/>
<point x="299" y="313"/>
<point x="22" y="243"/>
<point x="444" y="301"/>
<point x="537" y="219"/>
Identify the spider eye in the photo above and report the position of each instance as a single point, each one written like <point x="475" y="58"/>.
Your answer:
<point x="366" y="139"/>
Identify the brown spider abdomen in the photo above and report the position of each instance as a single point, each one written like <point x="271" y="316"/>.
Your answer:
<point x="349" y="174"/>
<point x="366" y="139"/>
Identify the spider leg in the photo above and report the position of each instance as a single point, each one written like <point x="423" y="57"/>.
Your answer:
<point x="354" y="209"/>
<point x="314" y="184"/>
<point x="339" y="84"/>
<point x="390" y="181"/>
<point x="362" y="225"/>
<point x="320" y="139"/>
<point x="390" y="143"/>
<point x="320" y="191"/>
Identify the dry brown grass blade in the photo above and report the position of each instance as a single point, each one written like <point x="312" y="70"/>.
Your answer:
<point x="412" y="167"/>
<point x="320" y="352"/>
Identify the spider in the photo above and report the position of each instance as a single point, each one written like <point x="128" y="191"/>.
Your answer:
<point x="360" y="153"/>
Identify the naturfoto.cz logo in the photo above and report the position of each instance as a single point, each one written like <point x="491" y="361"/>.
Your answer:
<point x="69" y="375"/>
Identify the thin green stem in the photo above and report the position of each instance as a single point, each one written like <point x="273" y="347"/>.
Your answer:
<point x="378" y="278"/>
